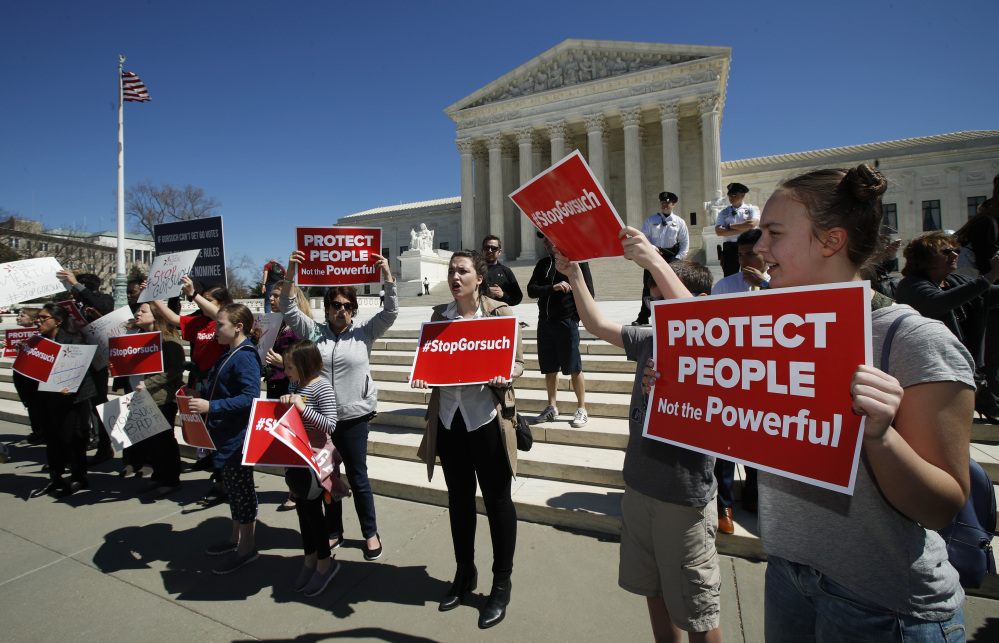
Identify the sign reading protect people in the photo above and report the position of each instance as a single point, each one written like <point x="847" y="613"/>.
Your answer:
<point x="763" y="378"/>
<point x="465" y="351"/>
<point x="568" y="205"/>
<point x="338" y="256"/>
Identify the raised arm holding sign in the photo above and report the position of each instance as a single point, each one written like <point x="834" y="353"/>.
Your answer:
<point x="338" y="256"/>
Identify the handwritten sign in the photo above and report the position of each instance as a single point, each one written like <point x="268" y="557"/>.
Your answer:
<point x="269" y="325"/>
<point x="29" y="279"/>
<point x="192" y="424"/>
<point x="135" y="354"/>
<point x="338" y="256"/>
<point x="132" y="418"/>
<point x="465" y="351"/>
<point x="100" y="330"/>
<point x="764" y="378"/>
<point x="569" y="206"/>
<point x="70" y="368"/>
<point x="203" y="235"/>
<point x="14" y="338"/>
<point x="165" y="275"/>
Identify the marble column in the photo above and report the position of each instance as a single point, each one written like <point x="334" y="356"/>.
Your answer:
<point x="710" y="144"/>
<point x="909" y="213"/>
<point x="632" y="120"/>
<point x="480" y="159"/>
<point x="669" y="112"/>
<point x="467" y="192"/>
<point x="511" y="213"/>
<point x="494" y="143"/>
<point x="953" y="213"/>
<point x="595" y="124"/>
<point x="525" y="138"/>
<point x="556" y="132"/>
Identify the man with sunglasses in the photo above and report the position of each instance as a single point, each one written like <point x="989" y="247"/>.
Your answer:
<point x="502" y="283"/>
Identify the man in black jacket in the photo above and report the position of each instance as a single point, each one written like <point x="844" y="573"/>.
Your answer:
<point x="558" y="332"/>
<point x="502" y="283"/>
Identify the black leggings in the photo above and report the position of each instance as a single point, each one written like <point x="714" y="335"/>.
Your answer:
<point x="309" y="507"/>
<point x="467" y="455"/>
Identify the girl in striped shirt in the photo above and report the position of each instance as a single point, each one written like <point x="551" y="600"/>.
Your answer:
<point x="313" y="396"/>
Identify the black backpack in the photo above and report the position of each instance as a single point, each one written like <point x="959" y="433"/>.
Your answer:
<point x="275" y="272"/>
<point x="969" y="537"/>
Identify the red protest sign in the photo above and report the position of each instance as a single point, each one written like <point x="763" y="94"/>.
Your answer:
<point x="465" y="351"/>
<point x="338" y="256"/>
<point x="570" y="207"/>
<point x="37" y="359"/>
<point x="192" y="424"/>
<point x="290" y="431"/>
<point x="764" y="378"/>
<point x="74" y="313"/>
<point x="260" y="447"/>
<point x="14" y="337"/>
<point x="135" y="354"/>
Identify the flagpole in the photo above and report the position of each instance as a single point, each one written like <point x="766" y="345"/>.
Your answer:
<point x="121" y="280"/>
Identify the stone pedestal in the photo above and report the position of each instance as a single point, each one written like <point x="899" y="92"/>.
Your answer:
<point x="710" y="242"/>
<point x="417" y="264"/>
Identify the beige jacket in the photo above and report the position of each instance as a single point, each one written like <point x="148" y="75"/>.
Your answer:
<point x="428" y="447"/>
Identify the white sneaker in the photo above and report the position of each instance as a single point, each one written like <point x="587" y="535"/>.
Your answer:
<point x="550" y="414"/>
<point x="579" y="419"/>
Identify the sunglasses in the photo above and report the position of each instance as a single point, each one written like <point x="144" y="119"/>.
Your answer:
<point x="41" y="318"/>
<point x="950" y="252"/>
<point x="337" y="305"/>
<point x="490" y="248"/>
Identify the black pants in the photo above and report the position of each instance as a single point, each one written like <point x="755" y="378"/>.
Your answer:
<point x="66" y="427"/>
<point x="467" y="455"/>
<point x="725" y="473"/>
<point x="729" y="258"/>
<point x="277" y="388"/>
<point x="309" y="507"/>
<point x="644" y="312"/>
<point x="103" y="439"/>
<point x="161" y="451"/>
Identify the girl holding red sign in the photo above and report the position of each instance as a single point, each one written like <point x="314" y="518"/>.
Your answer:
<point x="868" y="566"/>
<point x="65" y="416"/>
<point x="313" y="396"/>
<point x="346" y="350"/>
<point x="476" y="440"/>
<point x="161" y="450"/>
<point x="234" y="382"/>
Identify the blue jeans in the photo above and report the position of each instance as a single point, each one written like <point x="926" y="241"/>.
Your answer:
<point x="268" y="287"/>
<point x="803" y="605"/>
<point x="351" y="440"/>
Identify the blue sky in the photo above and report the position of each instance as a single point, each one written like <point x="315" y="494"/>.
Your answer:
<point x="299" y="113"/>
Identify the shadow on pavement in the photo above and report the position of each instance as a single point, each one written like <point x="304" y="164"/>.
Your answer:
<point x="360" y="633"/>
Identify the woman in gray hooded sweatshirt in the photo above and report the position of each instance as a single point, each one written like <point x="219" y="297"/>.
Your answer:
<point x="346" y="350"/>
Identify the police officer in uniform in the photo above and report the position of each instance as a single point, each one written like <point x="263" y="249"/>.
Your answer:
<point x="668" y="232"/>
<point x="733" y="221"/>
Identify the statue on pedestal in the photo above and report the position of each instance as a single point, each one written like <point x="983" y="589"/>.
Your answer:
<point x="716" y="205"/>
<point x="422" y="240"/>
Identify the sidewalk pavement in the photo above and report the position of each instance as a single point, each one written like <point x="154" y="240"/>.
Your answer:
<point x="105" y="564"/>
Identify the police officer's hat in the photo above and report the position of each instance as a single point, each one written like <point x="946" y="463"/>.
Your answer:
<point x="737" y="188"/>
<point x="668" y="196"/>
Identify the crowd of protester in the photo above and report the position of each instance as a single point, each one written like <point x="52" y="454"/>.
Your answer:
<point x="863" y="567"/>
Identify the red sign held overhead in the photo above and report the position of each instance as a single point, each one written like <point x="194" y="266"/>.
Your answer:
<point x="568" y="205"/>
<point x="37" y="359"/>
<point x="338" y="256"/>
<point x="764" y="378"/>
<point x="14" y="338"/>
<point x="135" y="354"/>
<point x="465" y="351"/>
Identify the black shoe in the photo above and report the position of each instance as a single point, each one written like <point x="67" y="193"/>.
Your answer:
<point x="465" y="580"/>
<point x="33" y="438"/>
<point x="373" y="554"/>
<point x="214" y="497"/>
<point x="639" y="322"/>
<point x="74" y="486"/>
<point x="204" y="464"/>
<point x="52" y="487"/>
<point x="99" y="457"/>
<point x="495" y="608"/>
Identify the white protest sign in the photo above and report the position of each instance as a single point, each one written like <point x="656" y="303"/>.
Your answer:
<point x="98" y="331"/>
<point x="132" y="418"/>
<point x="70" y="367"/>
<point x="165" y="274"/>
<point x="269" y="325"/>
<point x="28" y="279"/>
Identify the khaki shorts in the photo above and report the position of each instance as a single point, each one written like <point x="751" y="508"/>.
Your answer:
<point x="669" y="550"/>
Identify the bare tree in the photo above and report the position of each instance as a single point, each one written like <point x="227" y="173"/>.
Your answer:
<point x="239" y="283"/>
<point x="148" y="205"/>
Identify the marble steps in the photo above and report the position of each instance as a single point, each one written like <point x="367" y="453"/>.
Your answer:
<point x="531" y="379"/>
<point x="591" y="363"/>
<point x="586" y="347"/>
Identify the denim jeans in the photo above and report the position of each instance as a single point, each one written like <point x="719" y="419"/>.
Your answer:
<point x="351" y="440"/>
<point x="802" y="604"/>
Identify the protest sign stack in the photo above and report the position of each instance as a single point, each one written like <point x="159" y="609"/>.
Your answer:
<point x="276" y="437"/>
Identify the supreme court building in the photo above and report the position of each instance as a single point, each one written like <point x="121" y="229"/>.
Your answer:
<point x="646" y="118"/>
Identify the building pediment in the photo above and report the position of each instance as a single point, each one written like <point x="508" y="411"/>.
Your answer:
<point x="577" y="62"/>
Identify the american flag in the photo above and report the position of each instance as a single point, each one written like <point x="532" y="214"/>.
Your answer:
<point x="132" y="88"/>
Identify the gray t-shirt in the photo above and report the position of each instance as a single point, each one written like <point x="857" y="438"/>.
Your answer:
<point x="657" y="469"/>
<point x="861" y="542"/>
